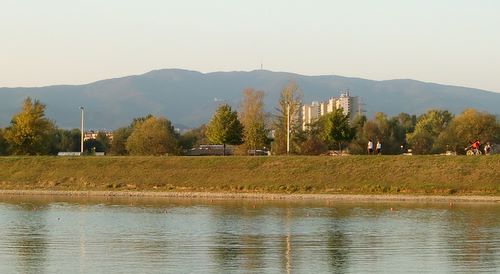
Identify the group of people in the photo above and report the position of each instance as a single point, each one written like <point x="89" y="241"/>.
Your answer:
<point x="378" y="147"/>
<point x="475" y="147"/>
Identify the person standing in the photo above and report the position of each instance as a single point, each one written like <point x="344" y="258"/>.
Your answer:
<point x="379" y="147"/>
<point x="487" y="148"/>
<point x="370" y="147"/>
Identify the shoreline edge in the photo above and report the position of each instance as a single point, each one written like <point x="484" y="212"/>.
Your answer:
<point x="255" y="196"/>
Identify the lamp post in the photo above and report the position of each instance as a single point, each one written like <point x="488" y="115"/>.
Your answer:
<point x="81" y="140"/>
<point x="288" y="129"/>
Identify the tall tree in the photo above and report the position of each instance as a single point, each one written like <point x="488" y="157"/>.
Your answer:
<point x="104" y="140"/>
<point x="358" y="145"/>
<point x="335" y="128"/>
<point x="469" y="126"/>
<point x="101" y="143"/>
<point x="3" y="143"/>
<point x="429" y="126"/>
<point x="153" y="136"/>
<point x="252" y="117"/>
<point x="472" y="124"/>
<point x="224" y="127"/>
<point x="119" y="142"/>
<point x="390" y="131"/>
<point x="288" y="110"/>
<point x="120" y="136"/>
<point x="311" y="142"/>
<point x="193" y="137"/>
<point x="69" y="140"/>
<point x="30" y="131"/>
<point x="392" y="134"/>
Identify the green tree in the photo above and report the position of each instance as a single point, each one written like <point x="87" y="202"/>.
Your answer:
<point x="311" y="142"/>
<point x="153" y="136"/>
<point x="101" y="143"/>
<point x="288" y="108"/>
<point x="334" y="128"/>
<point x="119" y="142"/>
<point x="405" y="125"/>
<point x="358" y="144"/>
<point x="224" y="127"/>
<point x="91" y="146"/>
<point x="193" y="138"/>
<point x="30" y="131"/>
<point x="104" y="140"/>
<point x="69" y="140"/>
<point x="252" y="117"/>
<point x="429" y="126"/>
<point x="3" y="143"/>
<point x="469" y="126"/>
<point x="472" y="124"/>
<point x="358" y="122"/>
<point x="390" y="131"/>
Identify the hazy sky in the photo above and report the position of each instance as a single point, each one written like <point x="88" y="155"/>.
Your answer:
<point x="80" y="41"/>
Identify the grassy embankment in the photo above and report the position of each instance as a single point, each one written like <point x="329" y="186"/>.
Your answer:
<point x="430" y="175"/>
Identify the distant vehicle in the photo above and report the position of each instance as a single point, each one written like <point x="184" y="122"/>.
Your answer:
<point x="408" y="152"/>
<point x="258" y="152"/>
<point x="69" y="153"/>
<point x="210" y="150"/>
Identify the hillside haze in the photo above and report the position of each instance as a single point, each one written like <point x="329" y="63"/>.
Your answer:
<point x="188" y="98"/>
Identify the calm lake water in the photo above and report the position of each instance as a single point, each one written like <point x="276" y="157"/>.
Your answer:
<point x="64" y="235"/>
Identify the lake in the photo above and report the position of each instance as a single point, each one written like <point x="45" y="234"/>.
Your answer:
<point x="153" y="235"/>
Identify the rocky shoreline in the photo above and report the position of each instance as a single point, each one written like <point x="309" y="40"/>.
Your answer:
<point x="256" y="196"/>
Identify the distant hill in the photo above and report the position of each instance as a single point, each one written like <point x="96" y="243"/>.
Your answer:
<point x="188" y="98"/>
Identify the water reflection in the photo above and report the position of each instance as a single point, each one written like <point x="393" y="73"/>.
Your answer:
<point x="338" y="247"/>
<point x="61" y="234"/>
<point x="27" y="235"/>
<point x="474" y="241"/>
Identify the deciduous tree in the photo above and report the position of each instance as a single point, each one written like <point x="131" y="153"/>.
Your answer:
<point x="311" y="142"/>
<point x="224" y="127"/>
<point x="429" y="126"/>
<point x="470" y="125"/>
<point x="30" y="131"/>
<point x="335" y="129"/>
<point x="3" y="143"/>
<point x="153" y="136"/>
<point x="69" y="140"/>
<point x="288" y="107"/>
<point x="390" y="131"/>
<point x="252" y="117"/>
<point x="120" y="136"/>
<point x="119" y="142"/>
<point x="104" y="140"/>
<point x="193" y="138"/>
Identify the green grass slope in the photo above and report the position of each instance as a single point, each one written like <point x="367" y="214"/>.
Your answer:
<point x="456" y="175"/>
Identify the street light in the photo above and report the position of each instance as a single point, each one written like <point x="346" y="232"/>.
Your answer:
<point x="81" y="141"/>
<point x="288" y="128"/>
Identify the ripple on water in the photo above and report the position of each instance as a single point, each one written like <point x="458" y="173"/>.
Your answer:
<point x="240" y="237"/>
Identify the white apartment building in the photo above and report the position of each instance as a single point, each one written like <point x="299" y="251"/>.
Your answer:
<point x="92" y="135"/>
<point x="351" y="106"/>
<point x="311" y="113"/>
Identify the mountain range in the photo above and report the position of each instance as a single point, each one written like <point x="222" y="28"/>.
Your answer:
<point x="188" y="98"/>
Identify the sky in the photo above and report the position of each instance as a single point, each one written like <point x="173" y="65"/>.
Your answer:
<point x="50" y="42"/>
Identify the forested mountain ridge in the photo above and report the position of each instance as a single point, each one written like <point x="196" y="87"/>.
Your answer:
<point x="188" y="98"/>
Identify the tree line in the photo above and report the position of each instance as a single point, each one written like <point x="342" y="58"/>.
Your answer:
<point x="251" y="128"/>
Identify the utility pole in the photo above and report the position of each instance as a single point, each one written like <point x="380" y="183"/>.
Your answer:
<point x="288" y="128"/>
<point x="81" y="139"/>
